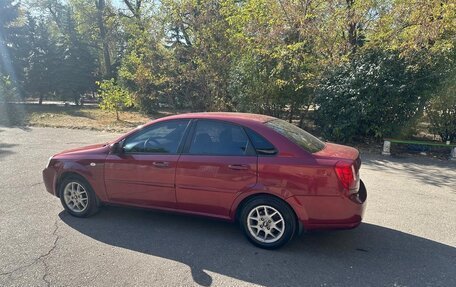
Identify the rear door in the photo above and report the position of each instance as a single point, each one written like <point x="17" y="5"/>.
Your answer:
<point x="218" y="163"/>
<point x="144" y="173"/>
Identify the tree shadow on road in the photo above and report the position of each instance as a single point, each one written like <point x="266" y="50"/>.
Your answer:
<point x="425" y="170"/>
<point x="5" y="148"/>
<point x="368" y="255"/>
<point x="12" y="115"/>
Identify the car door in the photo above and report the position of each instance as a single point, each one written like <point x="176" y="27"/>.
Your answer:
<point x="218" y="163"/>
<point x="143" y="172"/>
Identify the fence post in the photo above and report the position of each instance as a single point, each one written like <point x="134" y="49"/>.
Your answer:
<point x="386" y="148"/>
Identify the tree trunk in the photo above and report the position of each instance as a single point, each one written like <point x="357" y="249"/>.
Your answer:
<point x="290" y="116"/>
<point x="301" y="120"/>
<point x="352" y="30"/>
<point x="106" y="56"/>
<point x="135" y="10"/>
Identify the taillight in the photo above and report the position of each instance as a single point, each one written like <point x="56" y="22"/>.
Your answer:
<point x="346" y="173"/>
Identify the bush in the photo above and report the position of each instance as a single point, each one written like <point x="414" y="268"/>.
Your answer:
<point x="441" y="112"/>
<point x="375" y="95"/>
<point x="114" y="97"/>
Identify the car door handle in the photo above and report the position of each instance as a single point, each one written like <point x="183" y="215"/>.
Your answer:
<point x="160" y="163"/>
<point x="239" y="166"/>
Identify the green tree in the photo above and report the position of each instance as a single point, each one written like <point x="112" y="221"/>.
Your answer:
<point x="274" y="74"/>
<point x="114" y="98"/>
<point x="11" y="49"/>
<point x="99" y="25"/>
<point x="43" y="62"/>
<point x="76" y="68"/>
<point x="77" y="72"/>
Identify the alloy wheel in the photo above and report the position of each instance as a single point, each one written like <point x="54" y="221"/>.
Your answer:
<point x="266" y="224"/>
<point x="75" y="196"/>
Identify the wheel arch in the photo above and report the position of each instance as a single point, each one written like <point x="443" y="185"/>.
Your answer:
<point x="64" y="175"/>
<point x="94" y="176"/>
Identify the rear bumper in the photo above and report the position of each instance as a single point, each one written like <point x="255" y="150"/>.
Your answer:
<point x="331" y="212"/>
<point x="49" y="178"/>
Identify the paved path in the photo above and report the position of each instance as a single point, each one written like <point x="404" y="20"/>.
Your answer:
<point x="408" y="238"/>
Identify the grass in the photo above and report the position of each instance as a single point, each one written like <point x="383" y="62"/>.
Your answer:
<point x="76" y="117"/>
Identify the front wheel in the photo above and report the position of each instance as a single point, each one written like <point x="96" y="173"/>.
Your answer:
<point x="77" y="197"/>
<point x="268" y="222"/>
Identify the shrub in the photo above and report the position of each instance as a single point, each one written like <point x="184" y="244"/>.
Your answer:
<point x="375" y="95"/>
<point x="441" y="112"/>
<point x="114" y="97"/>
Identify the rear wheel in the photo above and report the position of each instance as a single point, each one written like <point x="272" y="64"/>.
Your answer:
<point x="268" y="222"/>
<point x="77" y="197"/>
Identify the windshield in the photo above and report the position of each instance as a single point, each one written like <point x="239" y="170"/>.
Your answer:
<point x="297" y="135"/>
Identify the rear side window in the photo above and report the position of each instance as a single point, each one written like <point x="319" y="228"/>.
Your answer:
<point x="261" y="145"/>
<point x="299" y="136"/>
<point x="220" y="138"/>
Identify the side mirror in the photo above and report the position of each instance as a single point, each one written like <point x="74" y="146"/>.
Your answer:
<point x="116" y="148"/>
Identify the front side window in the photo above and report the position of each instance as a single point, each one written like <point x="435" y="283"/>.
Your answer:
<point x="219" y="138"/>
<point x="299" y="136"/>
<point x="160" y="138"/>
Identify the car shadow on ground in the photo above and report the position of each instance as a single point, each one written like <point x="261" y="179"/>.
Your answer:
<point x="368" y="255"/>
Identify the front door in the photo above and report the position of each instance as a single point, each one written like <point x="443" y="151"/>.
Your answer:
<point x="144" y="172"/>
<point x="218" y="164"/>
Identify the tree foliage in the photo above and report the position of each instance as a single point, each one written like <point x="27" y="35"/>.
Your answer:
<point x="374" y="95"/>
<point x="11" y="51"/>
<point x="442" y="116"/>
<point x="364" y="68"/>
<point x="441" y="108"/>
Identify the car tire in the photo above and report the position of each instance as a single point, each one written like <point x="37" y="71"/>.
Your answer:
<point x="78" y="197"/>
<point x="267" y="222"/>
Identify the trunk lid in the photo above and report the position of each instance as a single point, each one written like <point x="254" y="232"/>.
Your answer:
<point x="338" y="151"/>
<point x="347" y="157"/>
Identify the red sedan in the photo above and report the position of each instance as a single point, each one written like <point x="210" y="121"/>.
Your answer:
<point x="272" y="177"/>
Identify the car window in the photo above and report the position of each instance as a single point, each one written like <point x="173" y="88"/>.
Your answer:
<point x="162" y="138"/>
<point x="219" y="138"/>
<point x="261" y="145"/>
<point x="299" y="136"/>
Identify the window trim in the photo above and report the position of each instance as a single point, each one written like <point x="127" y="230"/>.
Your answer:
<point x="146" y="128"/>
<point x="192" y="133"/>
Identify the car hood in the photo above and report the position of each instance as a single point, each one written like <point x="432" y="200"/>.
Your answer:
<point x="338" y="151"/>
<point x="90" y="149"/>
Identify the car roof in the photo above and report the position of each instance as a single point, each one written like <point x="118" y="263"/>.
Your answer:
<point x="224" y="116"/>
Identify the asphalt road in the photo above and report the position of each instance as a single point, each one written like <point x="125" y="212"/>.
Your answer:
<point x="408" y="237"/>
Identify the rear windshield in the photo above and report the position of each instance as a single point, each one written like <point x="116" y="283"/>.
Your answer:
<point x="297" y="135"/>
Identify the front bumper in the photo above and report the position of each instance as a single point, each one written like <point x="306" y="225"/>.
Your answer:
<point x="49" y="178"/>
